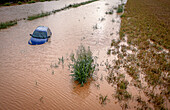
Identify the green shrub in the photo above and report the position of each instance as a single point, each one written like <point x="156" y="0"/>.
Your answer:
<point x="19" y="2"/>
<point x="82" y="65"/>
<point x="7" y="4"/>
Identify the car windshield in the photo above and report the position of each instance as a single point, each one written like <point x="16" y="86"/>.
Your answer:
<point x="39" y="34"/>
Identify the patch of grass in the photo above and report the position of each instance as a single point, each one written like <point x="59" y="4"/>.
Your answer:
<point x="143" y="104"/>
<point x="7" y="4"/>
<point x="42" y="0"/>
<point x="133" y="72"/>
<point x="157" y="100"/>
<point x="7" y="24"/>
<point x="120" y="8"/>
<point x="19" y="2"/>
<point x="38" y="15"/>
<point x="108" y="51"/>
<point x="32" y="1"/>
<point x="61" y="60"/>
<point x="123" y="15"/>
<point x="122" y="94"/>
<point x="123" y="84"/>
<point x="83" y="65"/>
<point x="82" y="3"/>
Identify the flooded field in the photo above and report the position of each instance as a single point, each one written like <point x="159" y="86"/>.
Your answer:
<point x="27" y="80"/>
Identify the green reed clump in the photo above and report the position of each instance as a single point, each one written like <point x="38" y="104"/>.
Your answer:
<point x="83" y="65"/>
<point x="7" y="24"/>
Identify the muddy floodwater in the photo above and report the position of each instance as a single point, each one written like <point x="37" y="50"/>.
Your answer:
<point x="27" y="80"/>
<point x="22" y="11"/>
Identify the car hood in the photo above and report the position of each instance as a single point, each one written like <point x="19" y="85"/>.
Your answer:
<point x="36" y="41"/>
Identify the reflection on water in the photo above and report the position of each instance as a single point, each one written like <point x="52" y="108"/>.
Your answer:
<point x="26" y="79"/>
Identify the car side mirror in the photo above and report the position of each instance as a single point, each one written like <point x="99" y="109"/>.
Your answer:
<point x="30" y="34"/>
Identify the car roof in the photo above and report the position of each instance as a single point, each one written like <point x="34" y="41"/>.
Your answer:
<point x="42" y="28"/>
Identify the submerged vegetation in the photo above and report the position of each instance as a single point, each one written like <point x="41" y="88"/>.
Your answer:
<point x="83" y="65"/>
<point x="102" y="99"/>
<point x="7" y="24"/>
<point x="145" y="58"/>
<point x="38" y="16"/>
<point x="120" y="8"/>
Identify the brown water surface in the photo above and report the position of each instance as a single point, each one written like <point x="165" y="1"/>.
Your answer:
<point x="27" y="81"/>
<point x="24" y="10"/>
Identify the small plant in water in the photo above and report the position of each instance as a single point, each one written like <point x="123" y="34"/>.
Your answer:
<point x="95" y="27"/>
<point x="102" y="99"/>
<point x="120" y="8"/>
<point x="82" y="65"/>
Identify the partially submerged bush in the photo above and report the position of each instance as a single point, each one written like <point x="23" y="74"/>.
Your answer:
<point x="83" y="65"/>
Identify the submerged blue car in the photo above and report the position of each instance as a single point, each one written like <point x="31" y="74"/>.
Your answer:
<point x="41" y="35"/>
